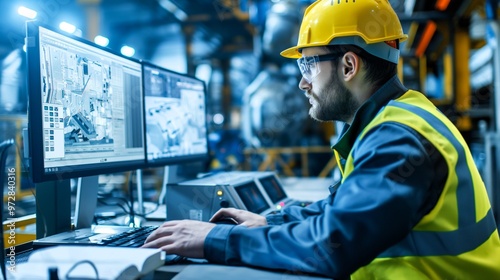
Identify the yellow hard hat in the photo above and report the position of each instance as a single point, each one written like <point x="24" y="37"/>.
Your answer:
<point x="365" y="23"/>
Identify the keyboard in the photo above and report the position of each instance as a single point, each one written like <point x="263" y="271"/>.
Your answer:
<point x="134" y="237"/>
<point x="117" y="236"/>
<point x="100" y="236"/>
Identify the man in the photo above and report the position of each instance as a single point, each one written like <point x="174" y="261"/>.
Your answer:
<point x="411" y="203"/>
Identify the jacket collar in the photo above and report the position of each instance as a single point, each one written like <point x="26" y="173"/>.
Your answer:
<point x="391" y="90"/>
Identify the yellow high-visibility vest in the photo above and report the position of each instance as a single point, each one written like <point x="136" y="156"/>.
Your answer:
<point x="458" y="238"/>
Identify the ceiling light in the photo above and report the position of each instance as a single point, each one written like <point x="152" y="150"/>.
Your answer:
<point x="127" y="51"/>
<point x="25" y="12"/>
<point x="101" y="40"/>
<point x="174" y="9"/>
<point x="218" y="119"/>
<point x="70" y="28"/>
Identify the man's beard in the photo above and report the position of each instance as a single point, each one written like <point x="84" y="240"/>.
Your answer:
<point x="334" y="103"/>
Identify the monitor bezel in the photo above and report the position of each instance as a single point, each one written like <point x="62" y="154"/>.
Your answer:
<point x="176" y="159"/>
<point x="35" y="112"/>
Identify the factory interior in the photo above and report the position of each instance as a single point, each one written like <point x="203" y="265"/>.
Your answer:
<point x="257" y="117"/>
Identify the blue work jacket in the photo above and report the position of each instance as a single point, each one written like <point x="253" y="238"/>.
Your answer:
<point x="361" y="219"/>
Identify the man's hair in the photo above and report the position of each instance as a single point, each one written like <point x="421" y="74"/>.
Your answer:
<point x="378" y="71"/>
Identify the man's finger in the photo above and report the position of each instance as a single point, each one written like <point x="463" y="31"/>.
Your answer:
<point x="158" y="242"/>
<point x="162" y="231"/>
<point x="223" y="212"/>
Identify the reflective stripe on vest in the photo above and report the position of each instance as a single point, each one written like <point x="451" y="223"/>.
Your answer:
<point x="469" y="234"/>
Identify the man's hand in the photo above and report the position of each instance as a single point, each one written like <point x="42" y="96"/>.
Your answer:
<point x="243" y="217"/>
<point x="184" y="238"/>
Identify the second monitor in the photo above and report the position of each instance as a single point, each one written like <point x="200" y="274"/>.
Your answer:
<point x="175" y="109"/>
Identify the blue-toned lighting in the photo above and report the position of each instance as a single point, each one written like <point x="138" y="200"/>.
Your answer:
<point x="218" y="119"/>
<point x="174" y="9"/>
<point x="26" y="12"/>
<point x="64" y="26"/>
<point x="127" y="51"/>
<point x="101" y="40"/>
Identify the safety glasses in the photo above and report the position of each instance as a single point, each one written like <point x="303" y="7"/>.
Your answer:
<point x="309" y="65"/>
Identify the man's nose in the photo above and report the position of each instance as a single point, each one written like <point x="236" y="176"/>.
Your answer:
<point x="304" y="84"/>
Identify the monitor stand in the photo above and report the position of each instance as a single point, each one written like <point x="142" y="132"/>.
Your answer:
<point x="169" y="173"/>
<point x="86" y="201"/>
<point x="53" y="207"/>
<point x="56" y="198"/>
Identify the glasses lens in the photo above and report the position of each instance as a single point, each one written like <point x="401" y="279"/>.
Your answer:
<point x="309" y="67"/>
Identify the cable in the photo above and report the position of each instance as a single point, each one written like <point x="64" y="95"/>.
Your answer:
<point x="131" y="199"/>
<point x="4" y="146"/>
<point x="67" y="276"/>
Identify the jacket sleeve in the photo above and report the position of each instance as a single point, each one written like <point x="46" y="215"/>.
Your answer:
<point x="296" y="213"/>
<point x="374" y="208"/>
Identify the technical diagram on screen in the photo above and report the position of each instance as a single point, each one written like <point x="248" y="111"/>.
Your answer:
<point x="175" y="108"/>
<point x="88" y="104"/>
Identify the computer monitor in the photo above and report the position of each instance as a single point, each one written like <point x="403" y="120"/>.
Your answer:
<point x="85" y="107"/>
<point x="175" y="122"/>
<point x="85" y="118"/>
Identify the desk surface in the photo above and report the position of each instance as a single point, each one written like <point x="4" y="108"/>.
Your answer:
<point x="222" y="272"/>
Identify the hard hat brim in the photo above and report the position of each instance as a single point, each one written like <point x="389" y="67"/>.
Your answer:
<point x="292" y="52"/>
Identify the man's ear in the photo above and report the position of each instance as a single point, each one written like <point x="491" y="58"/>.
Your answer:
<point x="351" y="64"/>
